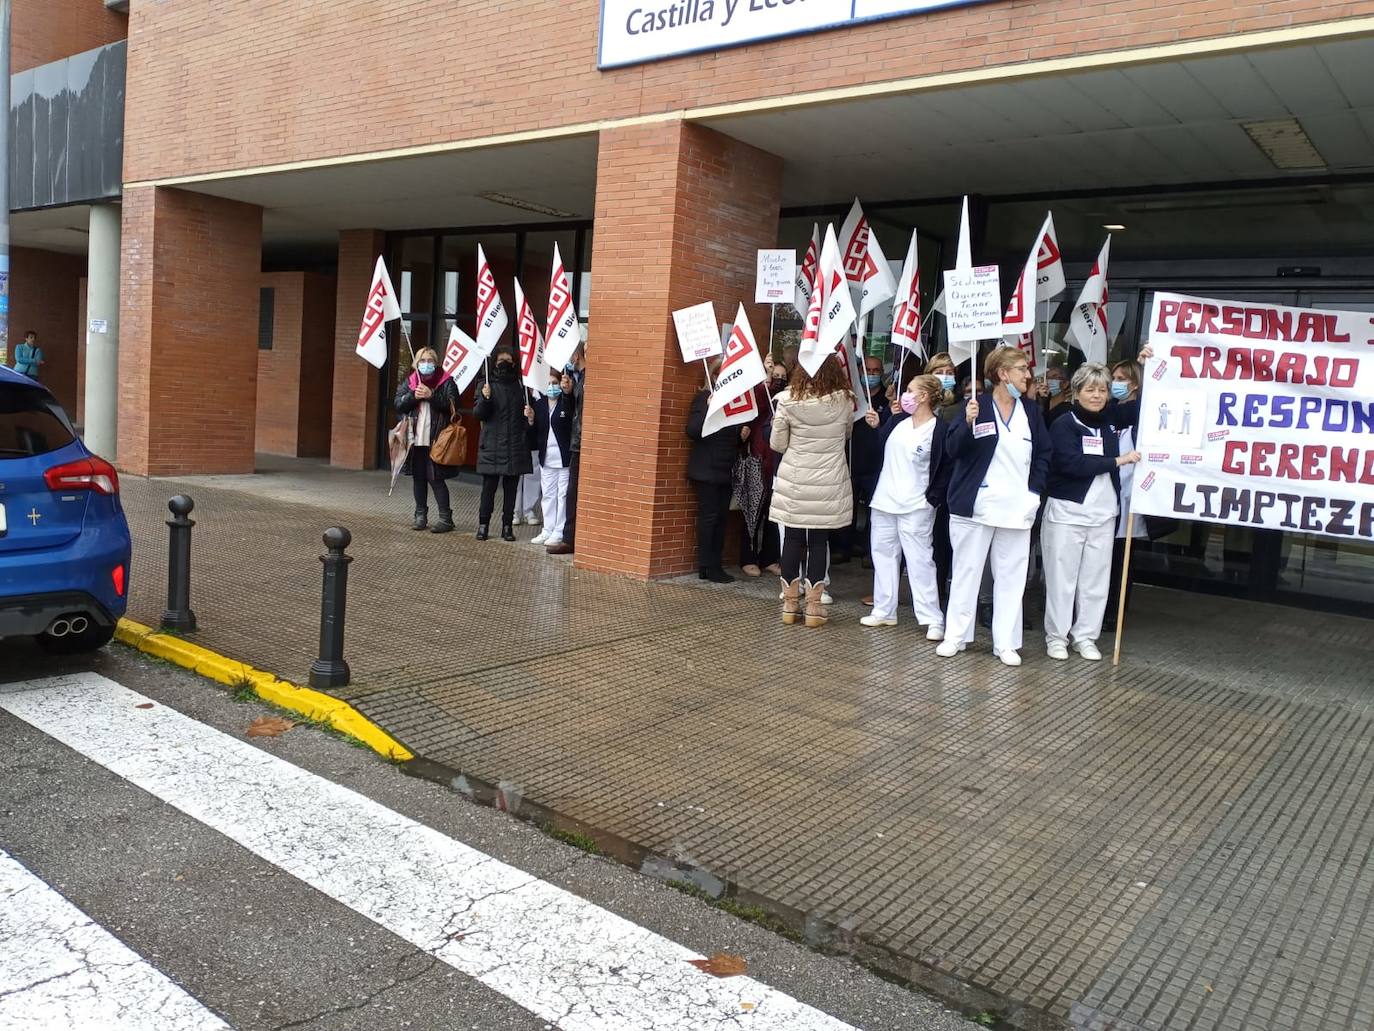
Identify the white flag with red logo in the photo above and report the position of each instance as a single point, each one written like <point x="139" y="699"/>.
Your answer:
<point x="561" y="333"/>
<point x="1088" y="320"/>
<point x="1049" y="263"/>
<point x="1020" y="314"/>
<point x="741" y="370"/>
<point x="806" y="271"/>
<point x="737" y="412"/>
<point x="854" y="246"/>
<point x="878" y="284"/>
<point x="462" y="359"/>
<point x="837" y="314"/>
<point x="381" y="309"/>
<point x="534" y="370"/>
<point x="906" y="306"/>
<point x="491" y="313"/>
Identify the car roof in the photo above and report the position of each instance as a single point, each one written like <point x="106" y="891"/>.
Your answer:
<point x="8" y="375"/>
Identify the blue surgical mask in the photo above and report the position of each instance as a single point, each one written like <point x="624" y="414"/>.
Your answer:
<point x="570" y="368"/>
<point x="554" y="390"/>
<point x="1056" y="387"/>
<point x="426" y="368"/>
<point x="874" y="382"/>
<point x="1011" y="389"/>
<point x="1120" y="388"/>
<point x="946" y="381"/>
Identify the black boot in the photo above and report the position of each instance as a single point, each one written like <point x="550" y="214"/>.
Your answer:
<point x="507" y="534"/>
<point x="482" y="531"/>
<point x="444" y="523"/>
<point x="421" y="519"/>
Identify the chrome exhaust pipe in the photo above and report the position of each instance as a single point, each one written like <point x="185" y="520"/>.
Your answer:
<point x="77" y="625"/>
<point x="59" y="628"/>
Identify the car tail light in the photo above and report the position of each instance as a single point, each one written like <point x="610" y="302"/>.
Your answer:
<point x="117" y="575"/>
<point x="84" y="474"/>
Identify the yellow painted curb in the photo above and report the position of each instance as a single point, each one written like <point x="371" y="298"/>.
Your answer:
<point x="313" y="705"/>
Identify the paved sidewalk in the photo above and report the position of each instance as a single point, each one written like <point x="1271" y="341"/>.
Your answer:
<point x="1179" y="843"/>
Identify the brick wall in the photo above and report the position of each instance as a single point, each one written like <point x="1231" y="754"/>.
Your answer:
<point x="279" y="370"/>
<point x="315" y="405"/>
<point x="46" y="30"/>
<point x="353" y="425"/>
<point x="46" y="296"/>
<point x="680" y="212"/>
<point x="536" y="67"/>
<point x="188" y="334"/>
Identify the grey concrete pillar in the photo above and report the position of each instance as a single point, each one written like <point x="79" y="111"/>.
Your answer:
<point x="102" y="331"/>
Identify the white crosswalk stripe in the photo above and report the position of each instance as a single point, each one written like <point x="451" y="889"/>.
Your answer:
<point x="59" y="969"/>
<point x="562" y="958"/>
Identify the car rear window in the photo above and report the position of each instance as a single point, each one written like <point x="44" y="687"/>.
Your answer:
<point x="31" y="423"/>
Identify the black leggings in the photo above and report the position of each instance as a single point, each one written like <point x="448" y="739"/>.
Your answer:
<point x="421" y="471"/>
<point x="508" y="485"/>
<point x="713" y="509"/>
<point x="816" y="544"/>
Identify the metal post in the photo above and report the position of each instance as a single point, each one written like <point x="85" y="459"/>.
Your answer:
<point x="179" y="615"/>
<point x="330" y="670"/>
<point x="5" y="357"/>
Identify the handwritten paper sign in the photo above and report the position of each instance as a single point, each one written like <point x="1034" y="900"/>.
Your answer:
<point x="777" y="270"/>
<point x="698" y="332"/>
<point x="973" y="303"/>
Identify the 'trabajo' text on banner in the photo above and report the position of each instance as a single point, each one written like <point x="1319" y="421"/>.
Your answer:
<point x="1259" y="415"/>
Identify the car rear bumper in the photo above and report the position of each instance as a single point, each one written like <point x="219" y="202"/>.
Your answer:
<point x="38" y="586"/>
<point x="34" y="613"/>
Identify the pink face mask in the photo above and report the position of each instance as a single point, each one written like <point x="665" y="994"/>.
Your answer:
<point x="909" y="402"/>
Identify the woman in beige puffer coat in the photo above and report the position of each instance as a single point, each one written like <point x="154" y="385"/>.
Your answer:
<point x="812" y="494"/>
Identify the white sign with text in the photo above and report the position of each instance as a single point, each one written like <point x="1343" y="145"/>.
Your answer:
<point x="698" y="332"/>
<point x="777" y="272"/>
<point x="973" y="303"/>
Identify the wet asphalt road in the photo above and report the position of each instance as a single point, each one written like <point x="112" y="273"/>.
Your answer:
<point x="264" y="950"/>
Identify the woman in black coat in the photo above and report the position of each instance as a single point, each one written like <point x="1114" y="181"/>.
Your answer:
<point x="503" y="453"/>
<point x="429" y="405"/>
<point x="710" y="468"/>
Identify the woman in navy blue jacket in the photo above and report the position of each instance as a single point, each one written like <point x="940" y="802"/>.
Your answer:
<point x="1080" y="517"/>
<point x="551" y="437"/>
<point x="1001" y="454"/>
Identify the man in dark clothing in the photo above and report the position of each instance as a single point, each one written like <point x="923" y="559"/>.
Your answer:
<point x="574" y="380"/>
<point x="866" y="462"/>
<point x="710" y="468"/>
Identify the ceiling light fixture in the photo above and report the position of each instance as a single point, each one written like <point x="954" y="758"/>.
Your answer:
<point x="1284" y="143"/>
<point x="526" y="205"/>
<point x="1115" y="226"/>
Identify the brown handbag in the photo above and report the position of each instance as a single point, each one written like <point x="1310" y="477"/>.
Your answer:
<point x="450" y="447"/>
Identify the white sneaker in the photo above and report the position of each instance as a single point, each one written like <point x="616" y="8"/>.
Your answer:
<point x="1010" y="657"/>
<point x="949" y="648"/>
<point x="1088" y="650"/>
<point x="935" y="633"/>
<point x="534" y="519"/>
<point x="878" y="621"/>
<point x="540" y="538"/>
<point x="825" y="597"/>
<point x="1057" y="650"/>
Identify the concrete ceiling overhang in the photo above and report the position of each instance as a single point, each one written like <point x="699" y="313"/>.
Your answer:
<point x="62" y="229"/>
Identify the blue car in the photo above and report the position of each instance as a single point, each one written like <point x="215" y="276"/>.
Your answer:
<point x="64" y="541"/>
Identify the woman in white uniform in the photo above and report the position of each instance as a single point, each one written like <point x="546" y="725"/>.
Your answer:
<point x="910" y="487"/>
<point x="1001" y="455"/>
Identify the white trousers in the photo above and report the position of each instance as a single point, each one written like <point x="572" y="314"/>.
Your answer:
<point x="527" y="494"/>
<point x="1078" y="570"/>
<point x="1009" y="550"/>
<point x="891" y="538"/>
<point x="555" y="487"/>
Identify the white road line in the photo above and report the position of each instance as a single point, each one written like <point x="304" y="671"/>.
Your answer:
<point x="564" y="959"/>
<point x="60" y="969"/>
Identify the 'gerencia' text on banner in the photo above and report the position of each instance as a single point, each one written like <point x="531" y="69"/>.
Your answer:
<point x="633" y="31"/>
<point x="1258" y="415"/>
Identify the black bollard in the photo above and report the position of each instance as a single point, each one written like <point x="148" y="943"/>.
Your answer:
<point x="179" y="615"/>
<point x="330" y="670"/>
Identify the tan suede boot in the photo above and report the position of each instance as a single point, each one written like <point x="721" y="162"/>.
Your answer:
<point x="791" y="601"/>
<point x="815" y="609"/>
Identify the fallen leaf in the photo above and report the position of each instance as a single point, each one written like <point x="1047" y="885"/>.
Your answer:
<point x="722" y="964"/>
<point x="269" y="726"/>
<point x="746" y="1006"/>
<point x="145" y="705"/>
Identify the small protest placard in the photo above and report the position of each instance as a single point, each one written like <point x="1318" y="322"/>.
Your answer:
<point x="776" y="281"/>
<point x="973" y="303"/>
<point x="698" y="332"/>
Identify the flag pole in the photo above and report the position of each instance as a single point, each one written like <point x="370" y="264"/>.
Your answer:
<point x="409" y="347"/>
<point x="1121" y="594"/>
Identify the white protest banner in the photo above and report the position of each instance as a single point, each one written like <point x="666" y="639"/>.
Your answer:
<point x="534" y="370"/>
<point x="741" y="370"/>
<point x="698" y="332"/>
<point x="561" y="332"/>
<point x="381" y="309"/>
<point x="777" y="271"/>
<point x="1258" y="415"/>
<point x="806" y="271"/>
<point x="1088" y="321"/>
<point x="491" y="313"/>
<point x="906" y="307"/>
<point x="462" y="359"/>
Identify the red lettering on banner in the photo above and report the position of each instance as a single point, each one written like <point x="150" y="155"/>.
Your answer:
<point x="560" y="299"/>
<point x="529" y="335"/>
<point x="374" y="315"/>
<point x="906" y="320"/>
<point x="808" y="265"/>
<point x="856" y="252"/>
<point x="1255" y="323"/>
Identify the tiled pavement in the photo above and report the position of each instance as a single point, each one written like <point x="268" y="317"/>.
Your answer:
<point x="1183" y="842"/>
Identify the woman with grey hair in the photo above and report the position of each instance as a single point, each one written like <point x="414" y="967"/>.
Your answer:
<point x="1084" y="489"/>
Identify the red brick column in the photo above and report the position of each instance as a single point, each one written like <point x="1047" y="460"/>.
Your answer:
<point x="680" y="212"/>
<point x="353" y="429"/>
<point x="188" y="336"/>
